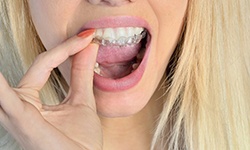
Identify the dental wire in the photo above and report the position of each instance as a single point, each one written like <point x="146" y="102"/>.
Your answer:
<point x="122" y="41"/>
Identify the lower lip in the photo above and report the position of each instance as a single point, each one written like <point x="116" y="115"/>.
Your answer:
<point x="125" y="83"/>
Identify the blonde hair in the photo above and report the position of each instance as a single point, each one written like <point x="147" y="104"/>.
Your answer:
<point x="208" y="98"/>
<point x="19" y="46"/>
<point x="207" y="93"/>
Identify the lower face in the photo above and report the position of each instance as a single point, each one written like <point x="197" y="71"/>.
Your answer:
<point x="136" y="41"/>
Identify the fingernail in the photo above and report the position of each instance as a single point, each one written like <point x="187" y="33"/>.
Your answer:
<point x="86" y="33"/>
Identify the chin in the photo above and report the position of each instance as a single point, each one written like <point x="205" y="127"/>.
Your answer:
<point x="126" y="103"/>
<point x="121" y="104"/>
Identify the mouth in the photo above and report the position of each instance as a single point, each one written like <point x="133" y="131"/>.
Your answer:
<point x="121" y="51"/>
<point x="122" y="56"/>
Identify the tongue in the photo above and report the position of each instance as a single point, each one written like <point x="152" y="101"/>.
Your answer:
<point x="116" y="71"/>
<point x="116" y="61"/>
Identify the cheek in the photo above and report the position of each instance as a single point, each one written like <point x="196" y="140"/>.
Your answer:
<point x="170" y="15"/>
<point x="51" y="19"/>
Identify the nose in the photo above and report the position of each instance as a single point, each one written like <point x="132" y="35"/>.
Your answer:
<point x="110" y="2"/>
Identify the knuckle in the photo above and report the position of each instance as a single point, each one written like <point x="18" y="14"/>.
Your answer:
<point x="40" y="58"/>
<point x="82" y="68"/>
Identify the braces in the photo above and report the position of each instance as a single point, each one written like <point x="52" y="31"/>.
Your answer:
<point x="122" y="41"/>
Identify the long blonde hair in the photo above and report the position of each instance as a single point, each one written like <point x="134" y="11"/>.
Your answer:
<point x="19" y="46"/>
<point x="208" y="97"/>
<point x="207" y="91"/>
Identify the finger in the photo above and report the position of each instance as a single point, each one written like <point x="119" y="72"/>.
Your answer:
<point x="82" y="72"/>
<point x="39" y="72"/>
<point x="29" y="95"/>
<point x="9" y="101"/>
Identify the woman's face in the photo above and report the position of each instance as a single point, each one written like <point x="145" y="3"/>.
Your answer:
<point x="125" y="82"/>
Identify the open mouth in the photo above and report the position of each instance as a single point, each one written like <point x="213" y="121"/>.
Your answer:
<point x="125" y="44"/>
<point x="121" y="51"/>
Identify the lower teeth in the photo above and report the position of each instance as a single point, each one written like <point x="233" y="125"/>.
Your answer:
<point x="135" y="65"/>
<point x="97" y="69"/>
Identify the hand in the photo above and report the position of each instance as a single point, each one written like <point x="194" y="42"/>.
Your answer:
<point x="71" y="125"/>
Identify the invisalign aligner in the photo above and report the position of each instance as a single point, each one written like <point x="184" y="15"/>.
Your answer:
<point x="122" y="41"/>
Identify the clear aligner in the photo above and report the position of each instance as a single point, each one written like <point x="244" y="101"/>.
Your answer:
<point x="122" y="41"/>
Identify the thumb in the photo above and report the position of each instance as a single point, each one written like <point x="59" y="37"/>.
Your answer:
<point x="82" y="72"/>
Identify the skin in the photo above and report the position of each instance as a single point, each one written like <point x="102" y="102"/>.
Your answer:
<point x="58" y="21"/>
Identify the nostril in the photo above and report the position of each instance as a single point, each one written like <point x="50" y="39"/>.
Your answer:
<point x="94" y="1"/>
<point x="110" y="2"/>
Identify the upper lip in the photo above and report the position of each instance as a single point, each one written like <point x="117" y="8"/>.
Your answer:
<point x="117" y="21"/>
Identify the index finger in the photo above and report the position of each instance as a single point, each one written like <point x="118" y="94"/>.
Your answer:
<point x="40" y="70"/>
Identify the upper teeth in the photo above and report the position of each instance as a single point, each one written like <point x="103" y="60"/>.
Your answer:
<point x="119" y="36"/>
<point x="116" y="33"/>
